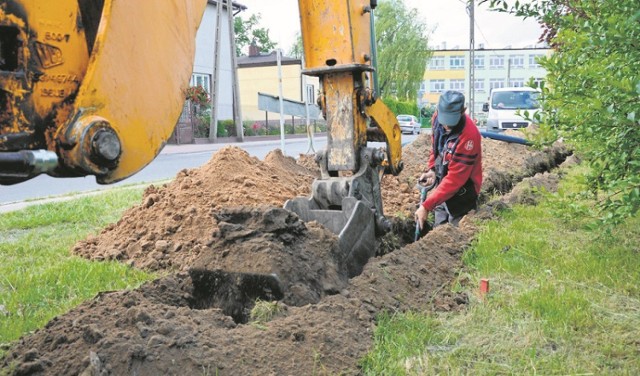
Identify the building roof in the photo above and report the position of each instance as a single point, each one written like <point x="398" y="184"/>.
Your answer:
<point x="493" y="49"/>
<point x="266" y="60"/>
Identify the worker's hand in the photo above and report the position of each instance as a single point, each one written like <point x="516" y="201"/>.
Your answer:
<point x="427" y="178"/>
<point x="421" y="216"/>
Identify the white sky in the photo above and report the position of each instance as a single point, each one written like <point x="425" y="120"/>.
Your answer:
<point x="448" y="18"/>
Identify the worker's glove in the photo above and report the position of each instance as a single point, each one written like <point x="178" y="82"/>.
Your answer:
<point x="427" y="179"/>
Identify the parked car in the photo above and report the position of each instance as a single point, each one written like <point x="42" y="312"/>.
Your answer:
<point x="408" y="124"/>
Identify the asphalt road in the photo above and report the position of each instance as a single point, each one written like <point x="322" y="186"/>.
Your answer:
<point x="171" y="160"/>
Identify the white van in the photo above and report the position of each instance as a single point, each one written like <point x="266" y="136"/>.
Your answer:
<point x="505" y="102"/>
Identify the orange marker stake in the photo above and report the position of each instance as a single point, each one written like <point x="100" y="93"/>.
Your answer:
<point x="484" y="287"/>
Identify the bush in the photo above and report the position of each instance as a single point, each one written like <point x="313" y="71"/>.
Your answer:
<point x="226" y="128"/>
<point x="202" y="123"/>
<point x="399" y="107"/>
<point x="426" y="113"/>
<point x="254" y="128"/>
<point x="593" y="94"/>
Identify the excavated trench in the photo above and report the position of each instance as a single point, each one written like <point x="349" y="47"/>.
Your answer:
<point x="282" y="240"/>
<point x="286" y="277"/>
<point x="228" y="250"/>
<point x="265" y="253"/>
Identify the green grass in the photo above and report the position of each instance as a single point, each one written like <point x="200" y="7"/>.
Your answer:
<point x="39" y="278"/>
<point x="404" y="338"/>
<point x="565" y="299"/>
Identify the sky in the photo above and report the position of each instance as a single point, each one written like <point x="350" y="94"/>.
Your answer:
<point x="448" y="19"/>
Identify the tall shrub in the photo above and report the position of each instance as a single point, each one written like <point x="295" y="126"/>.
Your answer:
<point x="592" y="98"/>
<point x="401" y="107"/>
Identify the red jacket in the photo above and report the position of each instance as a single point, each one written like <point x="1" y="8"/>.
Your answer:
<point x="464" y="157"/>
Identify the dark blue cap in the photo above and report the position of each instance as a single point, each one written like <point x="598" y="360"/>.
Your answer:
<point x="450" y="107"/>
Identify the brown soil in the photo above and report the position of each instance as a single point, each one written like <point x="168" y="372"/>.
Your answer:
<point x="221" y="236"/>
<point x="175" y="222"/>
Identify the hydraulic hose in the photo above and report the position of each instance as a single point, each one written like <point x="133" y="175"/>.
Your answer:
<point x="23" y="164"/>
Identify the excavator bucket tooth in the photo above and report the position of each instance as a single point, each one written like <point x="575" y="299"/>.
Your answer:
<point x="233" y="292"/>
<point x="354" y="224"/>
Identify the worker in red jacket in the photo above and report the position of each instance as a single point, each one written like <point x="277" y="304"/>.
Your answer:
<point x="455" y="163"/>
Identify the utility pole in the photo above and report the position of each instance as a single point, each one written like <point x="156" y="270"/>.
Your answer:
<point x="472" y="58"/>
<point x="213" y="126"/>
<point x="508" y="71"/>
<point x="305" y="96"/>
<point x="237" y="113"/>
<point x="279" y="63"/>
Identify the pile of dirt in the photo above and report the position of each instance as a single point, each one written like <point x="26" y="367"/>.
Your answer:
<point x="212" y="225"/>
<point x="174" y="223"/>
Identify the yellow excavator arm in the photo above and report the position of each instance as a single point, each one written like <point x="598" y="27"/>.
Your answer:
<point x="94" y="87"/>
<point x="339" y="49"/>
<point x="91" y="87"/>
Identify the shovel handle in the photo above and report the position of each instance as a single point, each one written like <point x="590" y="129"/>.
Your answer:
<point x="423" y="196"/>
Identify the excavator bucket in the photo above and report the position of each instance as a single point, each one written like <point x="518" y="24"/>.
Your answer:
<point x="351" y="207"/>
<point x="354" y="224"/>
<point x="339" y="50"/>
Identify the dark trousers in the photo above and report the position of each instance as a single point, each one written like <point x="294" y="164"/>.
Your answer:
<point x="443" y="216"/>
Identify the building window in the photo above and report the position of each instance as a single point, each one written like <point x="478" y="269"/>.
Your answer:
<point x="456" y="62"/>
<point x="457" y="85"/>
<point x="537" y="82"/>
<point x="436" y="86"/>
<point x="516" y="82"/>
<point x="436" y="63"/>
<point x="423" y="86"/>
<point x="311" y="94"/>
<point x="478" y="85"/>
<point x="496" y="83"/>
<point x="204" y="80"/>
<point x="478" y="62"/>
<point x="516" y="61"/>
<point x="533" y="60"/>
<point x="496" y="62"/>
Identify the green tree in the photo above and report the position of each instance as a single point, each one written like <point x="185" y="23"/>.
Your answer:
<point x="592" y="96"/>
<point x="402" y="40"/>
<point x="296" y="49"/>
<point x="248" y="33"/>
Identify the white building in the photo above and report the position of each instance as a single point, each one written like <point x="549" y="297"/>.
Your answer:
<point x="204" y="63"/>
<point x="493" y="68"/>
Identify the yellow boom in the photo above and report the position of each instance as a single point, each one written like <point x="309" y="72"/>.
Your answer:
<point x="337" y="41"/>
<point x="338" y="48"/>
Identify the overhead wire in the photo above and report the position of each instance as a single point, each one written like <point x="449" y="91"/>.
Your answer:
<point x="475" y="21"/>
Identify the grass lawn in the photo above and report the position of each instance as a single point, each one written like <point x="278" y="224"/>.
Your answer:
<point x="39" y="278"/>
<point x="564" y="299"/>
